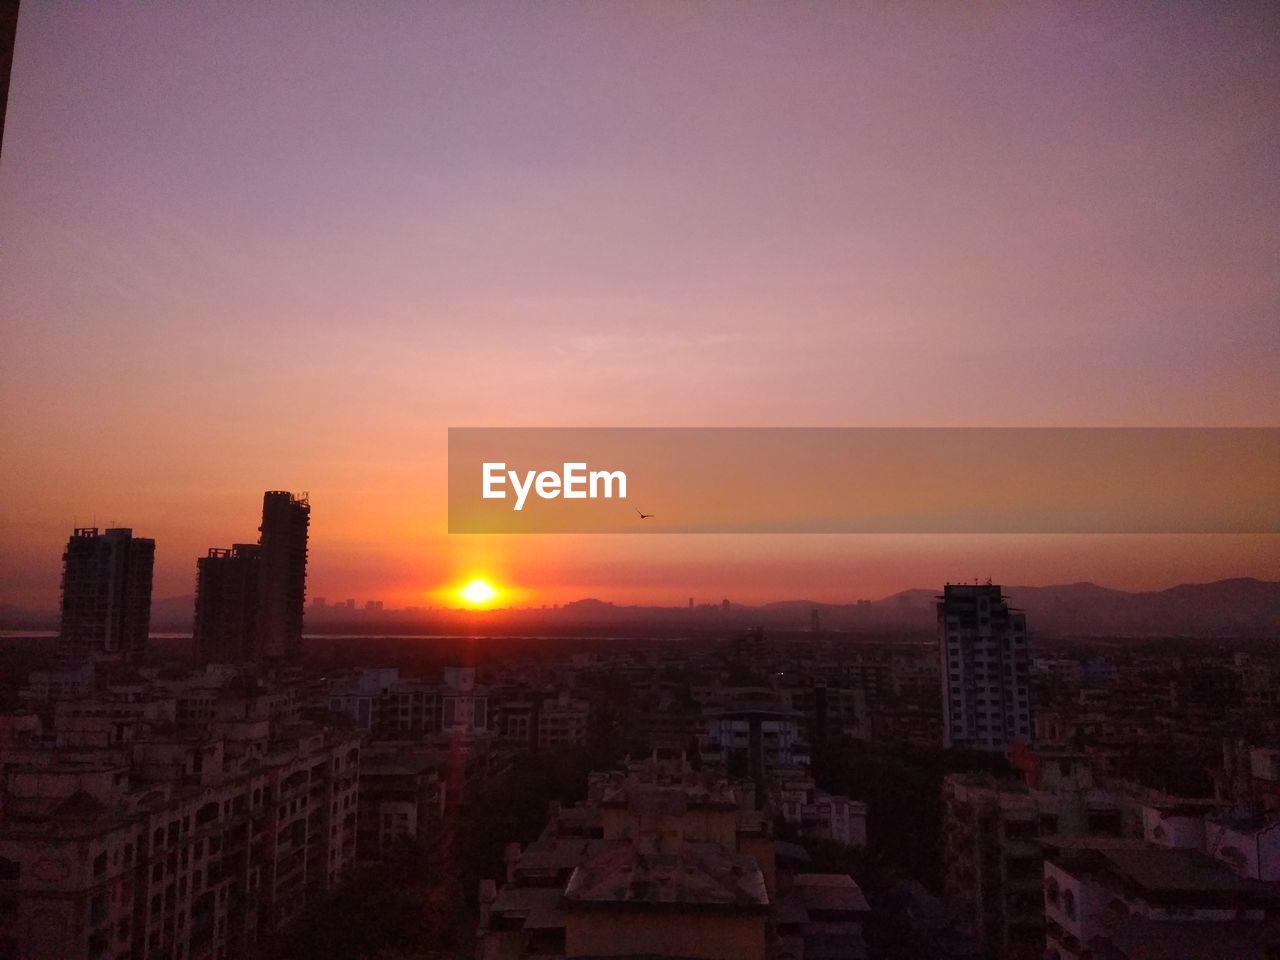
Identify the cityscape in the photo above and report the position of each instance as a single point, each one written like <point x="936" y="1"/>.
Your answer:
<point x="640" y="480"/>
<point x="794" y="791"/>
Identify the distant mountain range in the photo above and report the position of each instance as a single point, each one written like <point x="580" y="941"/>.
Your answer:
<point x="1242" y="607"/>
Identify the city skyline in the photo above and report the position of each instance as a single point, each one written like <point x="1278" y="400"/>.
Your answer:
<point x="364" y="228"/>
<point x="817" y="576"/>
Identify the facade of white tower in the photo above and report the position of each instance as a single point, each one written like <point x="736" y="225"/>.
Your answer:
<point x="985" y="664"/>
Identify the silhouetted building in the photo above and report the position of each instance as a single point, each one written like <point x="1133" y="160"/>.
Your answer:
<point x="249" y="599"/>
<point x="282" y="574"/>
<point x="982" y="644"/>
<point x="226" y="622"/>
<point x="106" y="595"/>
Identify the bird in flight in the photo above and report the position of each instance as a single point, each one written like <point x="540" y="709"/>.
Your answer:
<point x="644" y="516"/>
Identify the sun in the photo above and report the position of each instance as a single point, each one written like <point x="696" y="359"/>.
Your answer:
<point x="478" y="593"/>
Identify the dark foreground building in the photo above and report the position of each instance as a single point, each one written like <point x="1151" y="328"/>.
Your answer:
<point x="282" y="574"/>
<point x="249" y="599"/>
<point x="226" y="620"/>
<point x="106" y="596"/>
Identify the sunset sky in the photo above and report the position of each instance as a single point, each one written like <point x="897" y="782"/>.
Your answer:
<point x="286" y="246"/>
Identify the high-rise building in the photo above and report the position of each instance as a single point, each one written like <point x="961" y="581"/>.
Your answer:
<point x="249" y="599"/>
<point x="106" y="595"/>
<point x="282" y="574"/>
<point x="226" y="622"/>
<point x="982" y="644"/>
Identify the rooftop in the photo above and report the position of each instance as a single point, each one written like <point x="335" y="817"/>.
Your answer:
<point x="539" y="906"/>
<point x="831" y="892"/>
<point x="1156" y="940"/>
<point x="1164" y="873"/>
<point x="698" y="875"/>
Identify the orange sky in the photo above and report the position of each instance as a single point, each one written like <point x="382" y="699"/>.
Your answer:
<point x="285" y="247"/>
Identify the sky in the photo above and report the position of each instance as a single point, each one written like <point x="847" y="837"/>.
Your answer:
<point x="286" y="246"/>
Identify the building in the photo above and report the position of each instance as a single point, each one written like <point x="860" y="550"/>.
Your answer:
<point x="464" y="707"/>
<point x="663" y="862"/>
<point x="282" y="575"/>
<point x="828" y="713"/>
<point x="682" y="898"/>
<point x="821" y="915"/>
<point x="982" y="646"/>
<point x="250" y="598"/>
<point x="226" y="620"/>
<point x="994" y="834"/>
<point x="127" y="833"/>
<point x="44" y="686"/>
<point x="992" y="862"/>
<point x="563" y="721"/>
<point x="543" y="723"/>
<point x="518" y="723"/>
<point x="655" y="865"/>
<point x="1132" y="899"/>
<point x="817" y="814"/>
<point x="402" y="799"/>
<point x="379" y="702"/>
<point x="753" y="732"/>
<point x="106" y="596"/>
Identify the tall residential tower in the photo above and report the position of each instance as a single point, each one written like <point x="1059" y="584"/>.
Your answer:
<point x="249" y="599"/>
<point x="106" y="596"/>
<point x="982" y="643"/>
<point x="282" y="574"/>
<point x="226" y="622"/>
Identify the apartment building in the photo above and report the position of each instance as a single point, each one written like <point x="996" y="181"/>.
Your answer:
<point x="563" y="721"/>
<point x="379" y="702"/>
<point x="982" y="646"/>
<point x="124" y="835"/>
<point x="402" y="797"/>
<point x="817" y="814"/>
<point x="993" y="862"/>
<point x="106" y="596"/>
<point x="753" y="732"/>
<point x="1131" y="899"/>
<point x="664" y="862"/>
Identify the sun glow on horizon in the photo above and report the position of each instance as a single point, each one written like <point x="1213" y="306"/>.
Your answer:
<point x="478" y="593"/>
